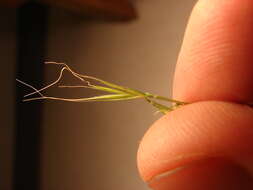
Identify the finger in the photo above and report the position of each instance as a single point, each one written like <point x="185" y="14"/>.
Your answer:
<point x="216" y="60"/>
<point x="205" y="145"/>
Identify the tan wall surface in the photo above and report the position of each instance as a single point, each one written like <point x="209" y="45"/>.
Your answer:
<point x="93" y="145"/>
<point x="7" y="72"/>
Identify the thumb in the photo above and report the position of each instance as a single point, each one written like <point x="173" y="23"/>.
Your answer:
<point x="205" y="145"/>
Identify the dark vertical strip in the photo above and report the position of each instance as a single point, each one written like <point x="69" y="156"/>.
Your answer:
<point x="31" y="36"/>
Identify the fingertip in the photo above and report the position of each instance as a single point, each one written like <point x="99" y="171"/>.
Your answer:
<point x="208" y="174"/>
<point x="196" y="132"/>
<point x="215" y="62"/>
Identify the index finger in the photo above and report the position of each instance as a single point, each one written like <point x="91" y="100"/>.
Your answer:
<point x="216" y="59"/>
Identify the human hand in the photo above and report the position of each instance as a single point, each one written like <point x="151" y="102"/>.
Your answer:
<point x="208" y="143"/>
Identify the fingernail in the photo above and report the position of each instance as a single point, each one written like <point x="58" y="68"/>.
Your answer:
<point x="208" y="174"/>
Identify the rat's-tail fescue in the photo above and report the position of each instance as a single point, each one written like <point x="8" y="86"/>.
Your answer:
<point x="114" y="92"/>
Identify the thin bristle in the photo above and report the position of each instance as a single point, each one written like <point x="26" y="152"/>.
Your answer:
<point x="116" y="92"/>
<point x="30" y="86"/>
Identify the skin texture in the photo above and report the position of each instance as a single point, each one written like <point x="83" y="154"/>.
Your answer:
<point x="207" y="144"/>
<point x="215" y="62"/>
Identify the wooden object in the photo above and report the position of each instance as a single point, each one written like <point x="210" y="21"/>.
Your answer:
<point x="32" y="21"/>
<point x="106" y="9"/>
<point x="114" y="9"/>
<point x="11" y="3"/>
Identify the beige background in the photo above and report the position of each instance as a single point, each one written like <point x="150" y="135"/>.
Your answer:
<point x="93" y="146"/>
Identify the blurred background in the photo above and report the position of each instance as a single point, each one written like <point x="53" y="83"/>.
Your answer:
<point x="53" y="145"/>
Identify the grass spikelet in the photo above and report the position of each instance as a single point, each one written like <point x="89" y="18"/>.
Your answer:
<point x="114" y="92"/>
